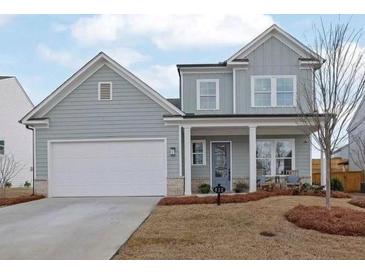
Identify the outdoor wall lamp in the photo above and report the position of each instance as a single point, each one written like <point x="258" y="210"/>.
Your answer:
<point x="172" y="151"/>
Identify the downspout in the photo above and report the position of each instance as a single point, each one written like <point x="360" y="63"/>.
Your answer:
<point x="33" y="155"/>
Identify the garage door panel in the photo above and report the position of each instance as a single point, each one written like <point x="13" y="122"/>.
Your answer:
<point x="118" y="168"/>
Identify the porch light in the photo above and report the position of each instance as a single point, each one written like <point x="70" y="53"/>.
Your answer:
<point x="172" y="151"/>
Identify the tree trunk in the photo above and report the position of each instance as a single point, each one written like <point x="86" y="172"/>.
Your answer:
<point x="328" y="179"/>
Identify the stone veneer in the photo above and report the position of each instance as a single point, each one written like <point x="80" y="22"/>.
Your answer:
<point x="41" y="187"/>
<point x="175" y="186"/>
<point x="196" y="182"/>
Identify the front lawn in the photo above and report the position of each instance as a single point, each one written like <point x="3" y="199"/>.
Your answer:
<point x="17" y="195"/>
<point x="253" y="230"/>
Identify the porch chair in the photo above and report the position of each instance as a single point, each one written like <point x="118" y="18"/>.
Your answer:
<point x="292" y="178"/>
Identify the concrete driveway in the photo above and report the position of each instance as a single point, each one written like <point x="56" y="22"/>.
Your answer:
<point x="70" y="228"/>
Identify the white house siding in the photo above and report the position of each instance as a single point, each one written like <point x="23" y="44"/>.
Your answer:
<point x="14" y="103"/>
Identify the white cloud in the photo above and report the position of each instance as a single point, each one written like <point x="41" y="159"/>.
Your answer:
<point x="171" y="31"/>
<point x="126" y="56"/>
<point x="97" y="28"/>
<point x="60" y="57"/>
<point x="163" y="78"/>
<point x="4" y="19"/>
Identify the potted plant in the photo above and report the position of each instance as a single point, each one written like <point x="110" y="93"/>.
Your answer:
<point x="204" y="188"/>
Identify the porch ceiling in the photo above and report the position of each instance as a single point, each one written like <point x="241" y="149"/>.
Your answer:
<point x="265" y="130"/>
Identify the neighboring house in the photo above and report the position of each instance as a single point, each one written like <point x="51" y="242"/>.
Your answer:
<point x="15" y="139"/>
<point x="355" y="129"/>
<point x="104" y="132"/>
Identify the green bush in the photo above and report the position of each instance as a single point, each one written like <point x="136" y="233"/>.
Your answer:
<point x="306" y="187"/>
<point x="336" y="185"/>
<point x="204" y="188"/>
<point x="27" y="184"/>
<point x="8" y="184"/>
<point x="241" y="187"/>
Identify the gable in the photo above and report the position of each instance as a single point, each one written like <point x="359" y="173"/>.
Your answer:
<point x="273" y="52"/>
<point x="278" y="33"/>
<point x="83" y="103"/>
<point x="38" y="113"/>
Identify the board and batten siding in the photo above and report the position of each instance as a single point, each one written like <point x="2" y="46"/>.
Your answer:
<point x="131" y="114"/>
<point x="273" y="57"/>
<point x="225" y="92"/>
<point x="240" y="154"/>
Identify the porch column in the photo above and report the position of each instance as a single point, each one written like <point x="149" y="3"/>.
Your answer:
<point x="252" y="152"/>
<point x="323" y="169"/>
<point x="187" y="148"/>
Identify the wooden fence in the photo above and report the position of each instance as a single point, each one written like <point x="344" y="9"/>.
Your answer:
<point x="351" y="180"/>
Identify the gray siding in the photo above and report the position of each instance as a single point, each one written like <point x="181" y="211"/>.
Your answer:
<point x="130" y="114"/>
<point x="271" y="58"/>
<point x="240" y="154"/>
<point x="225" y="92"/>
<point x="356" y="128"/>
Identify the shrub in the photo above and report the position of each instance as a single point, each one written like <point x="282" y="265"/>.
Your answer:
<point x="8" y="184"/>
<point x="204" y="188"/>
<point x="27" y="184"/>
<point x="306" y="187"/>
<point x="336" y="185"/>
<point x="241" y="187"/>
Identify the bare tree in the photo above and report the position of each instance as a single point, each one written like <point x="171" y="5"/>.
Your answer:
<point x="339" y="87"/>
<point x="9" y="168"/>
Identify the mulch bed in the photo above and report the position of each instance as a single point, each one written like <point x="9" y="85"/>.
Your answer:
<point x="357" y="201"/>
<point x="338" y="220"/>
<point x="18" y="200"/>
<point x="241" y="198"/>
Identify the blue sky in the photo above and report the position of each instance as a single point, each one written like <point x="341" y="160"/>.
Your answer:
<point x="44" y="50"/>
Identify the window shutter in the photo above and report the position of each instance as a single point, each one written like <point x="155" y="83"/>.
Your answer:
<point x="105" y="91"/>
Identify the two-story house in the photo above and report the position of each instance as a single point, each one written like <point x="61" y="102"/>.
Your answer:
<point x="104" y="132"/>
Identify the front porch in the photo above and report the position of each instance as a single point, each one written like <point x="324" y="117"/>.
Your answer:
<point x="232" y="151"/>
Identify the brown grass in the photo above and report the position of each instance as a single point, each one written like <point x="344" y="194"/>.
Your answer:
<point x="17" y="195"/>
<point x="234" y="231"/>
<point x="339" y="221"/>
<point x="358" y="201"/>
<point x="242" y="198"/>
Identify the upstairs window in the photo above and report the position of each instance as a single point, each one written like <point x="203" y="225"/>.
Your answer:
<point x="2" y="147"/>
<point x="262" y="89"/>
<point x="208" y="94"/>
<point x="105" y="91"/>
<point x="285" y="91"/>
<point x="273" y="91"/>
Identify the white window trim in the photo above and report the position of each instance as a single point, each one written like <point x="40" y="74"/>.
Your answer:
<point x="216" y="81"/>
<point x="273" y="157"/>
<point x="111" y="91"/>
<point x="274" y="90"/>
<point x="204" y="152"/>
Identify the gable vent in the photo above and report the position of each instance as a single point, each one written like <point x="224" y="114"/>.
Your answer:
<point x="105" y="91"/>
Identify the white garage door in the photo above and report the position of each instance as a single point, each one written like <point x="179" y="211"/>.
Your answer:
<point x="107" y="168"/>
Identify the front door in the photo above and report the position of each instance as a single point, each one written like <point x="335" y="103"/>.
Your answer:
<point x="221" y="164"/>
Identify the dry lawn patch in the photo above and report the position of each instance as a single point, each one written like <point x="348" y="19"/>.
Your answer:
<point x="339" y="221"/>
<point x="18" y="195"/>
<point x="252" y="230"/>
